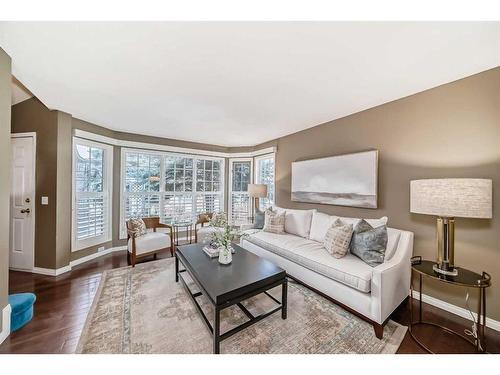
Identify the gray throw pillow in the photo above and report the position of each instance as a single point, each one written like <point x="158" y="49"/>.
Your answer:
<point x="369" y="243"/>
<point x="259" y="219"/>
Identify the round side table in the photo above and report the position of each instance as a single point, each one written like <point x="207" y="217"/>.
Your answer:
<point x="187" y="226"/>
<point x="465" y="278"/>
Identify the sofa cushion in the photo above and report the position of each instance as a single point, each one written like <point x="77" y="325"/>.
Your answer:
<point x="321" y="222"/>
<point x="349" y="270"/>
<point x="150" y="242"/>
<point x="297" y="222"/>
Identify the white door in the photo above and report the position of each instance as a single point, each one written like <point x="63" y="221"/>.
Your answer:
<point x="22" y="204"/>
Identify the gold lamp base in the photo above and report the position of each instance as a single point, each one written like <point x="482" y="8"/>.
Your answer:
<point x="446" y="247"/>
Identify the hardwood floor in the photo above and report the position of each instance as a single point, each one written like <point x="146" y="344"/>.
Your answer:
<point x="63" y="302"/>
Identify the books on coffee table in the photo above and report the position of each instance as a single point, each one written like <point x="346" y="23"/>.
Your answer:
<point x="210" y="251"/>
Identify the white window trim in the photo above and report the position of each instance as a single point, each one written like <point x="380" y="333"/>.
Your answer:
<point x="230" y="186"/>
<point x="162" y="192"/>
<point x="256" y="170"/>
<point x="77" y="245"/>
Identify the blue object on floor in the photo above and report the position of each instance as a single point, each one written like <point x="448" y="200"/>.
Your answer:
<point x="21" y="309"/>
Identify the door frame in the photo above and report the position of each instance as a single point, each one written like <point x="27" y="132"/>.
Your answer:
<point x="33" y="136"/>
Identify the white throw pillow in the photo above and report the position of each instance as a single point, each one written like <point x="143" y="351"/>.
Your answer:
<point x="338" y="238"/>
<point x="320" y="224"/>
<point x="373" y="222"/>
<point x="298" y="222"/>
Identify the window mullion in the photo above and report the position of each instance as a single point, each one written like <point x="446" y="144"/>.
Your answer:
<point x="162" y="190"/>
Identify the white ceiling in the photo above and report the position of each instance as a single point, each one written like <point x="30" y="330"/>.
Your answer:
<point x="237" y="84"/>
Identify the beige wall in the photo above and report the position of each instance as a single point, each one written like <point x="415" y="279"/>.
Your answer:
<point x="5" y="102"/>
<point x="32" y="116"/>
<point x="63" y="189"/>
<point x="449" y="131"/>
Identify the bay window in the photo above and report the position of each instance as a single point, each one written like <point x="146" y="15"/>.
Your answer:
<point x="173" y="186"/>
<point x="92" y="189"/>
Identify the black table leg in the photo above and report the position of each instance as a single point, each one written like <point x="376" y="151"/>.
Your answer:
<point x="176" y="269"/>
<point x="216" y="330"/>
<point x="420" y="298"/>
<point x="284" y="292"/>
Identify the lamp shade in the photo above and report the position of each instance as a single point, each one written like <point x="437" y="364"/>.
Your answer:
<point x="257" y="190"/>
<point x="452" y="197"/>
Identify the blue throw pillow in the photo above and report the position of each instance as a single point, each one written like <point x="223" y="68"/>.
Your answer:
<point x="259" y="219"/>
<point x="369" y="243"/>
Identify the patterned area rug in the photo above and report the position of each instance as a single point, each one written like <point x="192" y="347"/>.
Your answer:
<point x="143" y="310"/>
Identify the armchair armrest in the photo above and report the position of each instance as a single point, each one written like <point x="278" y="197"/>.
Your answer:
<point x="170" y="229"/>
<point x="391" y="280"/>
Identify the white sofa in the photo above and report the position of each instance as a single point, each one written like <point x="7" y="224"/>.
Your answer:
<point x="370" y="292"/>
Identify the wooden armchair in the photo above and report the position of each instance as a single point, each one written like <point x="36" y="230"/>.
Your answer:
<point x="202" y="220"/>
<point x="150" y="243"/>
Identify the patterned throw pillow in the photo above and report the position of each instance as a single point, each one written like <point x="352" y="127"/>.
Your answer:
<point x="338" y="238"/>
<point x="137" y="227"/>
<point x="369" y="243"/>
<point x="274" y="222"/>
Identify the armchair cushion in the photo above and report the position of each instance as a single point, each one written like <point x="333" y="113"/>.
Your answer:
<point x="150" y="242"/>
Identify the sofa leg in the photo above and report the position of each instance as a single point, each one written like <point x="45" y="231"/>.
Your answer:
<point x="379" y="330"/>
<point x="133" y="260"/>
<point x="128" y="259"/>
<point x="154" y="256"/>
<point x="171" y="251"/>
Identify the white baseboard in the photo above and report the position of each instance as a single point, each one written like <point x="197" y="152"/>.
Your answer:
<point x="73" y="263"/>
<point x="51" y="271"/>
<point x="87" y="258"/>
<point x="5" y="332"/>
<point x="460" y="311"/>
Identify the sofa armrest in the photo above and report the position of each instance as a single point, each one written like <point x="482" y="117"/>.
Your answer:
<point x="391" y="280"/>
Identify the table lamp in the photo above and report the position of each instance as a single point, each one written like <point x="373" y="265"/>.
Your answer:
<point x="447" y="199"/>
<point x="257" y="191"/>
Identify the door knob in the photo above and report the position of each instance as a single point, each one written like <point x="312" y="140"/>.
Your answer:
<point x="25" y="211"/>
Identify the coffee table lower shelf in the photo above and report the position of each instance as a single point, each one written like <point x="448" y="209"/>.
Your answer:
<point x="215" y="329"/>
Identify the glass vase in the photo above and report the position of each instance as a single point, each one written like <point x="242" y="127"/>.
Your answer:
<point x="225" y="255"/>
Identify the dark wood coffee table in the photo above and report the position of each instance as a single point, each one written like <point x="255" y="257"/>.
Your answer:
<point x="228" y="285"/>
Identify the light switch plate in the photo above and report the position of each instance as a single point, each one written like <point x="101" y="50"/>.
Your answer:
<point x="45" y="201"/>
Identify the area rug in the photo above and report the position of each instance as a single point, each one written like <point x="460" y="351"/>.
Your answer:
<point x="143" y="310"/>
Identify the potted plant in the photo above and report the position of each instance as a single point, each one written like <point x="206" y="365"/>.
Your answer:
<point x="223" y="238"/>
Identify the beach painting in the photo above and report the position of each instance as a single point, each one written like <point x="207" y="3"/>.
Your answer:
<point x="343" y="180"/>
